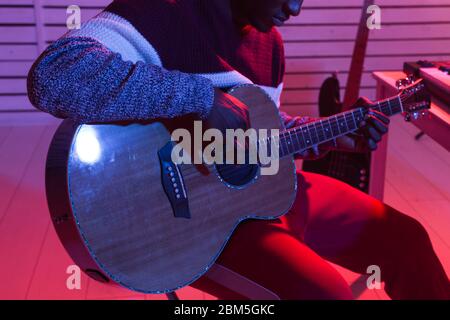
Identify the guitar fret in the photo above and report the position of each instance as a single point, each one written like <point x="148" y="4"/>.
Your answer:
<point x="328" y="130"/>
<point x="400" y="103"/>
<point x="300" y="138"/>
<point x="297" y="145"/>
<point x="290" y="142"/>
<point x="390" y="108"/>
<point x="335" y="126"/>
<point x="314" y="138"/>
<point x="380" y="108"/>
<point x="320" y="132"/>
<point x="385" y="108"/>
<point x="358" y="118"/>
<point x="342" y="124"/>
<point x="397" y="108"/>
<point x="308" y="140"/>
<point x="352" y="122"/>
<point x="323" y="130"/>
<point x="362" y="114"/>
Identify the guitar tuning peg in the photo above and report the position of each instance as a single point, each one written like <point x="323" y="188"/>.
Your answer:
<point x="403" y="83"/>
<point x="399" y="84"/>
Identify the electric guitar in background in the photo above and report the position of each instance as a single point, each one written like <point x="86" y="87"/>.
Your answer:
<point x="126" y="213"/>
<point x="352" y="168"/>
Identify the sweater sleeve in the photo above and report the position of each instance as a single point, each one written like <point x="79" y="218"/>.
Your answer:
<point x="81" y="79"/>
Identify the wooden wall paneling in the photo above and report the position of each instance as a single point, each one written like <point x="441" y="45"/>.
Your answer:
<point x="18" y="48"/>
<point x="24" y="25"/>
<point x="318" y="42"/>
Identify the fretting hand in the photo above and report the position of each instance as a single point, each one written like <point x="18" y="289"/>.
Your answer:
<point x="370" y="132"/>
<point x="365" y="139"/>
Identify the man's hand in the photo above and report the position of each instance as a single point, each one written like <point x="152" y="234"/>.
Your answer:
<point x="365" y="139"/>
<point x="316" y="151"/>
<point x="370" y="132"/>
<point x="227" y="112"/>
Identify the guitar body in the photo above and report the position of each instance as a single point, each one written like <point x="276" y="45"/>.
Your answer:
<point x="111" y="210"/>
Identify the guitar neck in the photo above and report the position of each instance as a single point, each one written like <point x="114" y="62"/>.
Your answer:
<point x="327" y="129"/>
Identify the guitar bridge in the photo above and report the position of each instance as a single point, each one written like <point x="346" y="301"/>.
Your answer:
<point x="172" y="181"/>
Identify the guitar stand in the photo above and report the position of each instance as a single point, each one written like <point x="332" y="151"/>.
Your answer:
<point x="234" y="282"/>
<point x="172" y="296"/>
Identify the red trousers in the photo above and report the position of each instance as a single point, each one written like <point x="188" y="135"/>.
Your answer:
<point x="333" y="221"/>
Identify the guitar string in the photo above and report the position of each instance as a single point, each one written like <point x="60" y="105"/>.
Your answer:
<point x="341" y="163"/>
<point x="232" y="170"/>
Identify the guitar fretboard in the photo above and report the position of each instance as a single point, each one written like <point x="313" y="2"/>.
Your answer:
<point x="327" y="129"/>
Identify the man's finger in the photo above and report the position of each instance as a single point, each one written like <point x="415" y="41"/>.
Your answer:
<point x="305" y="154"/>
<point x="370" y="133"/>
<point x="383" y="118"/>
<point x="291" y="123"/>
<point x="380" y="126"/>
<point x="363" y="102"/>
<point x="371" y="144"/>
<point x="374" y="134"/>
<point x="315" y="150"/>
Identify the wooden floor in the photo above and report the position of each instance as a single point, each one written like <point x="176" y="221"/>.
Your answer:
<point x="33" y="263"/>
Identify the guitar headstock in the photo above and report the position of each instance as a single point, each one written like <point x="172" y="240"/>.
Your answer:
<point x="416" y="99"/>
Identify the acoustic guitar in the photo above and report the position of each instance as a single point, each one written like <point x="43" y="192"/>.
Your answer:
<point x="126" y="213"/>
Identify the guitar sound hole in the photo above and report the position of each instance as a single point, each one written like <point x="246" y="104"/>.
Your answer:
<point x="237" y="175"/>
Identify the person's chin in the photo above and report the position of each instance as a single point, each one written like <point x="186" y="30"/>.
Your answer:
<point x="262" y="26"/>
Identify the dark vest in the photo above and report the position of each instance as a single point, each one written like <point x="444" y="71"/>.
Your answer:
<point x="194" y="36"/>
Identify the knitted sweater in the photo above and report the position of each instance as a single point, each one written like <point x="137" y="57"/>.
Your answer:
<point x="148" y="59"/>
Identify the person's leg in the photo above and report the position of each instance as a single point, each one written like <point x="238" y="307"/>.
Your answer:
<point x="352" y="229"/>
<point x="268" y="255"/>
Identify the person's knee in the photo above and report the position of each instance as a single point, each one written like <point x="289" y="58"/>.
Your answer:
<point x="411" y="231"/>
<point x="417" y="231"/>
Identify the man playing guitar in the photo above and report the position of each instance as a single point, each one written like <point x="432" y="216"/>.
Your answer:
<point x="150" y="59"/>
